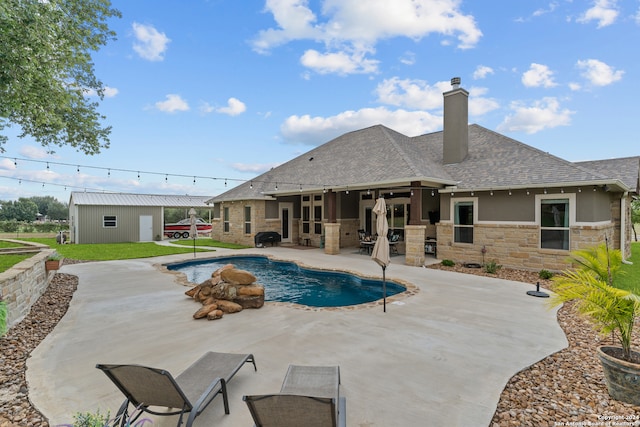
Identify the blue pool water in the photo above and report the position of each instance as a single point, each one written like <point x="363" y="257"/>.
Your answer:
<point x="288" y="282"/>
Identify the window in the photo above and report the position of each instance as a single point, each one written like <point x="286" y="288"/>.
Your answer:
<point x="317" y="219"/>
<point x="305" y="219"/>
<point x="247" y="220"/>
<point x="396" y="217"/>
<point x="463" y="225"/>
<point x="554" y="224"/>
<point x="312" y="206"/>
<point x="226" y="226"/>
<point x="109" y="221"/>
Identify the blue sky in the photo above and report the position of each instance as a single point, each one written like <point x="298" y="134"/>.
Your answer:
<point x="223" y="90"/>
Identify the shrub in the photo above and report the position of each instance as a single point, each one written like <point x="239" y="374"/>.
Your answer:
<point x="545" y="274"/>
<point x="448" y="263"/>
<point x="492" y="267"/>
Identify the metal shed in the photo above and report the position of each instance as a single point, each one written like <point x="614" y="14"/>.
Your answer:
<point x="123" y="217"/>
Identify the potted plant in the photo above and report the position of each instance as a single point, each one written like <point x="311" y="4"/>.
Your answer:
<point x="52" y="262"/>
<point x="612" y="310"/>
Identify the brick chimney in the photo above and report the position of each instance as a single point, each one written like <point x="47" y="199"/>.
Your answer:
<point x="456" y="124"/>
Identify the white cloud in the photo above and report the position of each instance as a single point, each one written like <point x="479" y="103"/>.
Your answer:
<point x="110" y="92"/>
<point x="481" y="72"/>
<point x="234" y="107"/>
<point x="31" y="152"/>
<point x="256" y="168"/>
<point x="172" y="104"/>
<point x="418" y="94"/>
<point x="603" y="11"/>
<point x="575" y="86"/>
<point x="543" y="114"/>
<point x="540" y="12"/>
<point x="354" y="27"/>
<point x="478" y="104"/>
<point x="538" y="75"/>
<point x="598" y="73"/>
<point x="150" y="43"/>
<point x="409" y="58"/>
<point x="411" y="93"/>
<point x="317" y="130"/>
<point x="338" y="62"/>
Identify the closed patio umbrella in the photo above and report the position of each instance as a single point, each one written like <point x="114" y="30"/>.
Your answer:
<point x="380" y="253"/>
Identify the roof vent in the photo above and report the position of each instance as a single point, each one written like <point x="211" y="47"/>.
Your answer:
<point x="455" y="82"/>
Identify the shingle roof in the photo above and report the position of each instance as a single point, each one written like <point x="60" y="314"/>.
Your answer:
<point x="497" y="161"/>
<point x="377" y="156"/>
<point x="127" y="199"/>
<point x="625" y="169"/>
<point x="358" y="159"/>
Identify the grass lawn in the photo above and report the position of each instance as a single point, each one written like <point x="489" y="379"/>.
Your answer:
<point x="9" y="260"/>
<point x="112" y="251"/>
<point x="4" y="244"/>
<point x="209" y="242"/>
<point x="630" y="278"/>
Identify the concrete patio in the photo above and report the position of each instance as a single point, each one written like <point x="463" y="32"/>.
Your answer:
<point x="439" y="357"/>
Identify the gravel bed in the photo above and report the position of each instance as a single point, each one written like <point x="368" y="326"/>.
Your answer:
<point x="566" y="388"/>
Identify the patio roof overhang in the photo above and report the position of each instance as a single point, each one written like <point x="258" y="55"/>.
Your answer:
<point x="425" y="182"/>
<point x="604" y="184"/>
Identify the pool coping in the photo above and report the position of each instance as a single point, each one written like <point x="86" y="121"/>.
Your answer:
<point x="410" y="288"/>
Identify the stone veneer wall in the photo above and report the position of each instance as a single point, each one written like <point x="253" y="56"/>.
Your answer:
<point x="349" y="233"/>
<point x="23" y="284"/>
<point x="516" y="246"/>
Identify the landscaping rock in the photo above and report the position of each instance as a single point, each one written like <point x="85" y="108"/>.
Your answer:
<point x="234" y="276"/>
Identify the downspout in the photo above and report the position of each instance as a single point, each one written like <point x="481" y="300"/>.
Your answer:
<point x="623" y="227"/>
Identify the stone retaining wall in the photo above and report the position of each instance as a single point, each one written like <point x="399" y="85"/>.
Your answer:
<point x="23" y="284"/>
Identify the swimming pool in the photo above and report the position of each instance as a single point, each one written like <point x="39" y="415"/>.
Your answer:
<point x="288" y="282"/>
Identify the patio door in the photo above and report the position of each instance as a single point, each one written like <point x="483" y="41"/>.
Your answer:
<point x="286" y="211"/>
<point x="367" y="218"/>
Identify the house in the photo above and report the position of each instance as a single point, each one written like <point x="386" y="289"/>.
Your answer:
<point x="119" y="217"/>
<point x="479" y="194"/>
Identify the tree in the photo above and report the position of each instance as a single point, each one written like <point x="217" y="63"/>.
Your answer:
<point x="46" y="71"/>
<point x="51" y="207"/>
<point x="20" y="210"/>
<point x="635" y="216"/>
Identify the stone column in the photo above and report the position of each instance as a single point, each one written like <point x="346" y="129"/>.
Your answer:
<point x="414" y="244"/>
<point x="331" y="238"/>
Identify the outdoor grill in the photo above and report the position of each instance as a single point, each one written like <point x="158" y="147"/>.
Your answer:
<point x="267" y="237"/>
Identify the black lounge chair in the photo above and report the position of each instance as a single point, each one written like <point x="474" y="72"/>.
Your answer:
<point x="149" y="389"/>
<point x="309" y="397"/>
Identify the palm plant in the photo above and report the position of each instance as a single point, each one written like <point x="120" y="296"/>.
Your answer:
<point x="591" y="285"/>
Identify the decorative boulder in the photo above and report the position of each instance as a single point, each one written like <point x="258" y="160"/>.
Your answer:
<point x="251" y="290"/>
<point x="234" y="276"/>
<point x="215" y="314"/>
<point x="229" y="306"/>
<point x="204" y="311"/>
<point x="250" y="301"/>
<point x="229" y="290"/>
